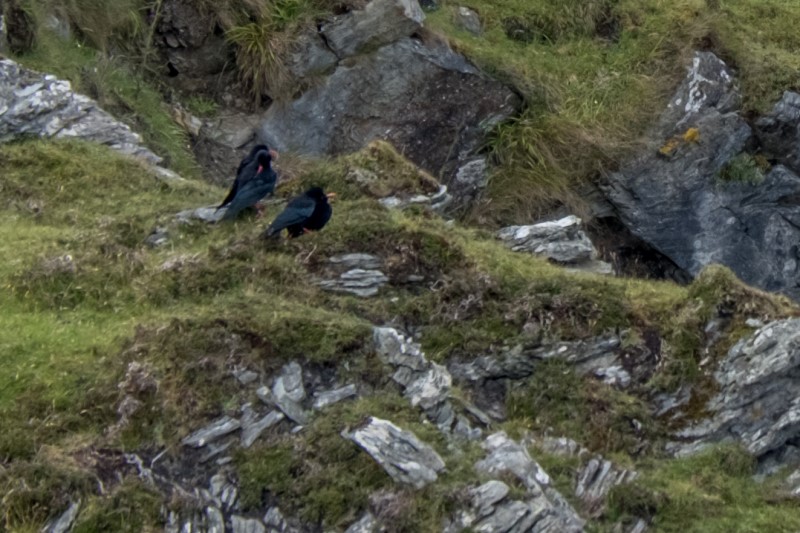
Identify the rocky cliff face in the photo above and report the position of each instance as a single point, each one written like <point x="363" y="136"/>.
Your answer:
<point x="377" y="78"/>
<point x="700" y="195"/>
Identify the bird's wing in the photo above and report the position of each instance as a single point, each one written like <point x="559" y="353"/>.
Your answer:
<point x="297" y="211"/>
<point x="251" y="192"/>
<point x="231" y="194"/>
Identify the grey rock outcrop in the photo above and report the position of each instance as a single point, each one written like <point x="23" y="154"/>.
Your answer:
<point x="594" y="356"/>
<point x="364" y="283"/>
<point x="778" y="132"/>
<point x="288" y="393"/>
<point x="404" y="457"/>
<point x="561" y="241"/>
<point x="674" y="198"/>
<point x="426" y="384"/>
<point x="380" y="22"/>
<point x="758" y="403"/>
<point x="435" y="108"/>
<point x="544" y="508"/>
<point x="596" y="478"/>
<point x="213" y="431"/>
<point x="328" y="398"/>
<point x="468" y="20"/>
<point x="355" y="273"/>
<point x="64" y="522"/>
<point x="41" y="105"/>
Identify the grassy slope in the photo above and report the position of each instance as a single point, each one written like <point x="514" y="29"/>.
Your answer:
<point x="70" y="327"/>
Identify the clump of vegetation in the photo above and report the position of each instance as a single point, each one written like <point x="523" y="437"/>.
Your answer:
<point x="744" y="168"/>
<point x="555" y="400"/>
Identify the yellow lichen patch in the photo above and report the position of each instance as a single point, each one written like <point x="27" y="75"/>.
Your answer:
<point x="692" y="135"/>
<point x="670" y="147"/>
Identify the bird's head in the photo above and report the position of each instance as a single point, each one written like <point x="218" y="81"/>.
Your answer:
<point x="264" y="159"/>
<point x="318" y="194"/>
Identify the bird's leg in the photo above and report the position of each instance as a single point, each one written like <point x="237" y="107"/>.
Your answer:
<point x="306" y="231"/>
<point x="259" y="210"/>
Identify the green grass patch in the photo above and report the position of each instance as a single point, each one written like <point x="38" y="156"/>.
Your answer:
<point x="712" y="491"/>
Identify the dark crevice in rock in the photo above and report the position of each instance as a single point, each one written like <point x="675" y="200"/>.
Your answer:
<point x="631" y="255"/>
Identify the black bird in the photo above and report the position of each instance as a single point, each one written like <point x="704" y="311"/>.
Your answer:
<point x="255" y="178"/>
<point x="308" y="212"/>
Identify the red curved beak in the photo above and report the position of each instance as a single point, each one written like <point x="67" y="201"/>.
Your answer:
<point x="273" y="154"/>
<point x="331" y="195"/>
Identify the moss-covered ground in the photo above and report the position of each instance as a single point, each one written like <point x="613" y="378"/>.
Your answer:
<point x="83" y="296"/>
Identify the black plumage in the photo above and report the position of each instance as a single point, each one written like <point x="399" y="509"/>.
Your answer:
<point x="308" y="212"/>
<point x="255" y="178"/>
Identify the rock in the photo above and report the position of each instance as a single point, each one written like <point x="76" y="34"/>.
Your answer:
<point x="290" y="383"/>
<point x="3" y="33"/>
<point x="404" y="457"/>
<point x="485" y="497"/>
<point x="435" y="110"/>
<point x="274" y="519"/>
<point x="59" y="25"/>
<point x="327" y="398"/>
<point x="208" y="214"/>
<point x="471" y="177"/>
<point x="758" y="402"/>
<point x="364" y="283"/>
<point x="240" y="524"/>
<point x="362" y="261"/>
<point x="189" y="42"/>
<point x="639" y="527"/>
<point x="438" y="200"/>
<point x="309" y="56"/>
<point x="778" y="131"/>
<point x="244" y="376"/>
<point x="562" y="241"/>
<point x="597" y="478"/>
<point x="214" y="451"/>
<point x="674" y="199"/>
<point x="35" y="104"/>
<point x="561" y="446"/>
<point x="468" y="20"/>
<point x="709" y="85"/>
<point x="64" y="522"/>
<point x="366" y="524"/>
<point x="379" y="23"/>
<point x="213" y="431"/>
<point x="19" y="27"/>
<point x="546" y="509"/>
<point x="158" y="237"/>
<point x="425" y="384"/>
<point x="430" y="389"/>
<point x="590" y="356"/>
<point x="216" y="520"/>
<point x="232" y="129"/>
<point x="251" y="432"/>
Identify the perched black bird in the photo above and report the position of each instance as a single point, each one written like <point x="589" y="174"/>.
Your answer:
<point x="308" y="212"/>
<point x="255" y="178"/>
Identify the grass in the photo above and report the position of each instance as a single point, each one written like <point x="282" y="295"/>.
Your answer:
<point x="712" y="491"/>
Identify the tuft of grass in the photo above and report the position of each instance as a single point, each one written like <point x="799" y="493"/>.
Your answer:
<point x="262" y="42"/>
<point x="744" y="168"/>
